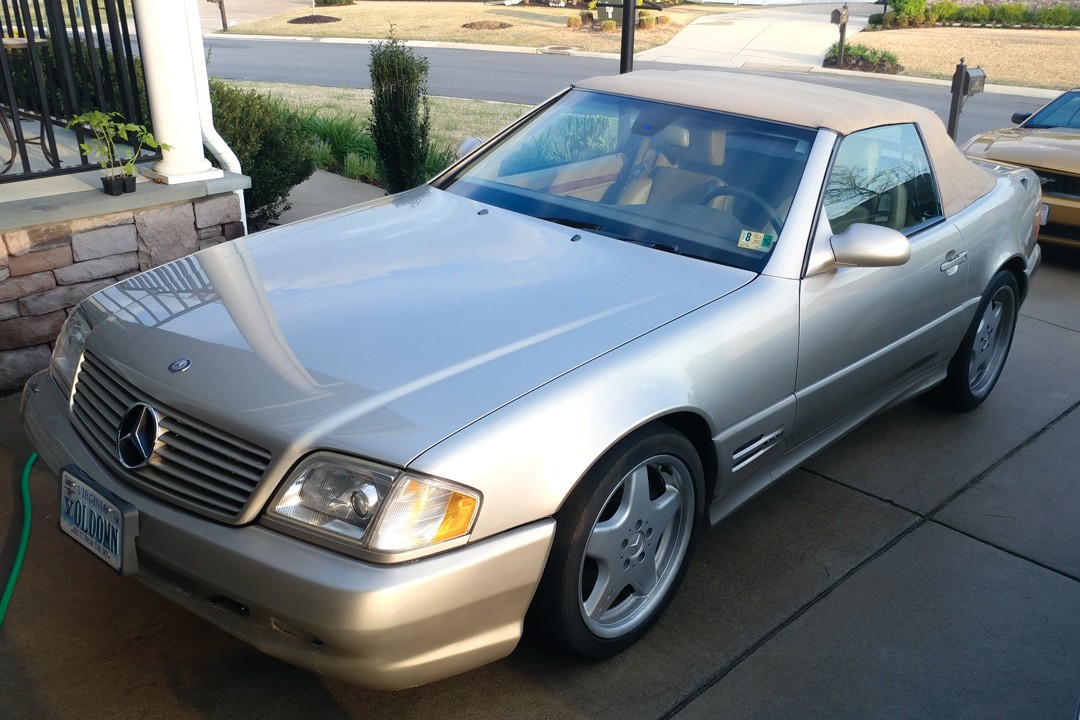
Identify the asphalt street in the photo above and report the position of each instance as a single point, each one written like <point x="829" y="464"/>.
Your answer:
<point x="530" y="77"/>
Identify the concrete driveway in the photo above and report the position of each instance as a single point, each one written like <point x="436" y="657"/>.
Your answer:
<point x="925" y="567"/>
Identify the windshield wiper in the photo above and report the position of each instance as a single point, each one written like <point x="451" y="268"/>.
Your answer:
<point x="674" y="249"/>
<point x="576" y="224"/>
<point x="599" y="229"/>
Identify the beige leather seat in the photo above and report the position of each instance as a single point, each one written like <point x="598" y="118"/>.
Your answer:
<point x="665" y="181"/>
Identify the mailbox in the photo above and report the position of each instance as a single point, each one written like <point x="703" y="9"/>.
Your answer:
<point x="968" y="81"/>
<point x="839" y="17"/>
<point x="965" y="83"/>
<point x="974" y="81"/>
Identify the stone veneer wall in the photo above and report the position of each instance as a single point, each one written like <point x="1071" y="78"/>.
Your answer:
<point x="47" y="269"/>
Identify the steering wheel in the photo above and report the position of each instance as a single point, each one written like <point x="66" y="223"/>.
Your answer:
<point x="735" y="191"/>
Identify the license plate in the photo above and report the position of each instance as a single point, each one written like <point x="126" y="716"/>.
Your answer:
<point x="1044" y="213"/>
<point x="101" y="522"/>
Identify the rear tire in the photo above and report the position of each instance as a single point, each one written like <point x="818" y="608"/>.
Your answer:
<point x="975" y="368"/>
<point x="621" y="544"/>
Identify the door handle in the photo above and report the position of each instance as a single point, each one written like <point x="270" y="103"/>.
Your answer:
<point x="953" y="260"/>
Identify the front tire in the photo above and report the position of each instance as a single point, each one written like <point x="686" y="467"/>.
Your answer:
<point x="621" y="544"/>
<point x="975" y="368"/>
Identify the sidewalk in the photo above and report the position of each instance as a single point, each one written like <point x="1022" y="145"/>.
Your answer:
<point x="788" y="37"/>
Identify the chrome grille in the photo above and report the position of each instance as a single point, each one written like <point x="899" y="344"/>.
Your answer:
<point x="193" y="465"/>
<point x="1059" y="183"/>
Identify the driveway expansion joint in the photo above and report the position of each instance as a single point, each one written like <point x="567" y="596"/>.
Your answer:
<point x="1001" y="461"/>
<point x="917" y="522"/>
<point x="1007" y="551"/>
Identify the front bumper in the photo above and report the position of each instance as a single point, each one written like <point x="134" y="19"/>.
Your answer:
<point x="377" y="626"/>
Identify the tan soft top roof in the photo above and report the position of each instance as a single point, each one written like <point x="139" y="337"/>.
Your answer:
<point x="814" y="106"/>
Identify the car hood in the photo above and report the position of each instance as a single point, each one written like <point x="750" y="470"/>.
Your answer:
<point x="1049" y="148"/>
<point x="382" y="330"/>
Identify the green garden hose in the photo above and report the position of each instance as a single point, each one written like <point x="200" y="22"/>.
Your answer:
<point x="23" y="540"/>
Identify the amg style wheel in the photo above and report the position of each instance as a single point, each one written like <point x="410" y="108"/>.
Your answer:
<point x="977" y="364"/>
<point x="621" y="544"/>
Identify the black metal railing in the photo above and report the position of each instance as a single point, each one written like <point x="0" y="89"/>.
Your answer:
<point x="60" y="58"/>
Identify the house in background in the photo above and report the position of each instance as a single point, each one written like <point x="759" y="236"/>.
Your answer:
<point x="61" y="237"/>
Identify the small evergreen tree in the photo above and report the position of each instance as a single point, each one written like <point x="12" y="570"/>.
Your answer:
<point x="909" y="9"/>
<point x="400" y="113"/>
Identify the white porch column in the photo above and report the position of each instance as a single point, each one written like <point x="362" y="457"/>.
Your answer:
<point x="165" y="49"/>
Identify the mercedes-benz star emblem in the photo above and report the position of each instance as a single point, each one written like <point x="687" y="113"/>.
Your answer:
<point x="179" y="366"/>
<point x="136" y="436"/>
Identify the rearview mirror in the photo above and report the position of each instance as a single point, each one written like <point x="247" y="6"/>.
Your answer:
<point x="1019" y="117"/>
<point x="864" y="245"/>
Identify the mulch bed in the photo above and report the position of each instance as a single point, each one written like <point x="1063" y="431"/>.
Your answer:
<point x="313" y="19"/>
<point x="862" y="65"/>
<point x="487" y="25"/>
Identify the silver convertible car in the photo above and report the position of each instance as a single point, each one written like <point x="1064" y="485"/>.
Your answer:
<point x="380" y="443"/>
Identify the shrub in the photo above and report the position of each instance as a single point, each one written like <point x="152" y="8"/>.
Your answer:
<point x="574" y="22"/>
<point x="400" y="113"/>
<point x="1011" y="14"/>
<point x="888" y="19"/>
<point x="645" y="21"/>
<point x="876" y="19"/>
<point x="323" y="155"/>
<point x="331" y="3"/>
<point x="269" y="140"/>
<point x="1057" y="15"/>
<point x="342" y="135"/>
<point x="862" y="52"/>
<point x="663" y="20"/>
<point x="586" y="17"/>
<point x="946" y="10"/>
<point x="908" y="9"/>
<point x="360" y="167"/>
<point x="439" y="158"/>
<point x="607" y="26"/>
<point x="975" y="14"/>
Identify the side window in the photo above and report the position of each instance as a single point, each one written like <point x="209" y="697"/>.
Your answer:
<point x="881" y="176"/>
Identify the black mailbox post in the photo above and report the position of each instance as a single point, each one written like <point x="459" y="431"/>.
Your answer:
<point x="839" y="17"/>
<point x="965" y="83"/>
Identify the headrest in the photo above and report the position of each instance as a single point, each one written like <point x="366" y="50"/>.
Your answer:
<point x="673" y="136"/>
<point x="715" y="142"/>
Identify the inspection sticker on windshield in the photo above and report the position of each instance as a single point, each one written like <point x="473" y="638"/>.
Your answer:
<point x="755" y="241"/>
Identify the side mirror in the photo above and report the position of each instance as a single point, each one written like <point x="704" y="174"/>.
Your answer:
<point x="1020" y="117"/>
<point x="467" y="146"/>
<point x="864" y="245"/>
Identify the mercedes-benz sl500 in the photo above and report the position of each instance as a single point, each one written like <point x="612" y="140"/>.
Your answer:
<point x="373" y="442"/>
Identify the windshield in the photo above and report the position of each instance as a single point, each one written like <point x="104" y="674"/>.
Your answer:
<point x="682" y="180"/>
<point x="1062" y="112"/>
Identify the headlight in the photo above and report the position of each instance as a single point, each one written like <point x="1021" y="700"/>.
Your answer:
<point x="374" y="507"/>
<point x="69" y="347"/>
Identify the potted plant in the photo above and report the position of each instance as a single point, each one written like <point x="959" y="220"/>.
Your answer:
<point x="109" y="128"/>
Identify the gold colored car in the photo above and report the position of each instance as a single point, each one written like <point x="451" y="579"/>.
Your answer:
<point x="1048" y="142"/>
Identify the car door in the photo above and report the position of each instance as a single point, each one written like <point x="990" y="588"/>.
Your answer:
<point x="866" y="331"/>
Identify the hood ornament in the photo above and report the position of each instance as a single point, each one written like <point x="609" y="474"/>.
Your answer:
<point x="179" y="366"/>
